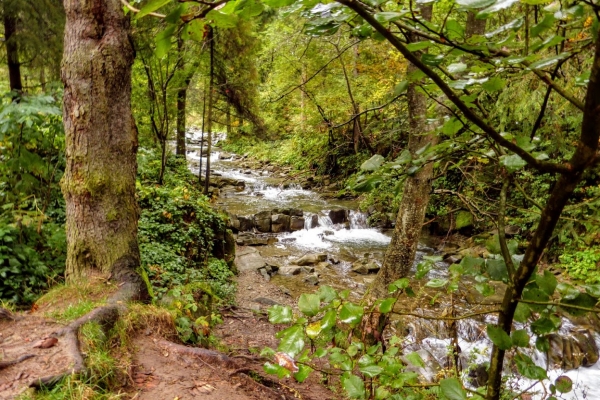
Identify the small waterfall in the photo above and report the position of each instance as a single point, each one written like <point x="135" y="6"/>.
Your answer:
<point x="357" y="220"/>
<point x="325" y="221"/>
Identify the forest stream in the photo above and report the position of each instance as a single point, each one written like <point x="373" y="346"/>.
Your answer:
<point x="310" y="241"/>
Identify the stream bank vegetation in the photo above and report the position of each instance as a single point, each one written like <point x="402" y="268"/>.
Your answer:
<point x="478" y="118"/>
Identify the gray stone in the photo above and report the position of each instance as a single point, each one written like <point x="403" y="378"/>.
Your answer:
<point x="310" y="259"/>
<point x="248" y="259"/>
<point x="312" y="279"/>
<point x="233" y="222"/>
<point x="288" y="240"/>
<point x="364" y="267"/>
<point x="262" y="221"/>
<point x="314" y="221"/>
<point x="296" y="224"/>
<point x="294" y="212"/>
<point x="265" y="274"/>
<point x="308" y="269"/>
<point x="291" y="270"/>
<point x="338" y="216"/>
<point x="250" y="239"/>
<point x="280" y="223"/>
<point x="334" y="260"/>
<point x="323" y="265"/>
<point x="265" y="301"/>
<point x="246" y="224"/>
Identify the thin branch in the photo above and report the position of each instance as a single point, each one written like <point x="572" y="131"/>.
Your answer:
<point x="135" y="10"/>
<point x="510" y="266"/>
<point x="366" y="111"/>
<point x="559" y="304"/>
<point x="458" y="318"/>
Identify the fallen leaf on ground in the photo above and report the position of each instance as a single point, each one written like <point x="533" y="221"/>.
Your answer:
<point x="45" y="343"/>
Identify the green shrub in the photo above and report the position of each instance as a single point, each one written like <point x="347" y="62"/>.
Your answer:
<point x="582" y="264"/>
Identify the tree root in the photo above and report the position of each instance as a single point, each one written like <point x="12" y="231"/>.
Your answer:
<point x="6" y="364"/>
<point x="106" y="315"/>
<point x="239" y="368"/>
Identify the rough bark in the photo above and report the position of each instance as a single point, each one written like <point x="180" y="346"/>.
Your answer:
<point x="12" y="50"/>
<point x="474" y="26"/>
<point x="101" y="142"/>
<point x="401" y="252"/>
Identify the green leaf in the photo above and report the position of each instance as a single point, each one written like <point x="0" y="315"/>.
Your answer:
<point x="327" y="294"/>
<point x="563" y="384"/>
<point x="222" y="20"/>
<point x="313" y="329"/>
<point x="592" y="290"/>
<point x="372" y="163"/>
<point x="151" y="6"/>
<point x="194" y="30"/>
<point x="309" y="304"/>
<point x="494" y="84"/>
<point x="432" y="60"/>
<point x="353" y="385"/>
<point x="275" y="369"/>
<point x="583" y="300"/>
<point x="457" y="68"/>
<point x="303" y="373"/>
<point x="387" y="305"/>
<point x="400" y="88"/>
<point x="415" y="359"/>
<point x="163" y="41"/>
<point x="497" y="269"/>
<point x="567" y="292"/>
<point x="514" y="25"/>
<point x="485" y="289"/>
<point x="328" y="320"/>
<point x="418" y="45"/>
<point x="474" y="3"/>
<point x="280" y="314"/>
<point x="452" y="389"/>
<point x="371" y="371"/>
<point x="351" y="314"/>
<point x="463" y="219"/>
<point x="278" y="3"/>
<point x="528" y="369"/>
<point x="513" y="162"/>
<point x="547" y="282"/>
<point x="437" y="283"/>
<point x="545" y="24"/>
<point x="546" y="62"/>
<point x="542" y="344"/>
<point x="535" y="2"/>
<point x="520" y="338"/>
<point x="387" y="16"/>
<point x="494" y="8"/>
<point x="535" y="294"/>
<point x="499" y="337"/>
<point x="545" y="325"/>
<point x="292" y="340"/>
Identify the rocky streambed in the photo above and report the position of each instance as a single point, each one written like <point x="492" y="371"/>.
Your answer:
<point x="295" y="233"/>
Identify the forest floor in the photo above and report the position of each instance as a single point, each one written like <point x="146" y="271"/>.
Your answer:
<point x="160" y="369"/>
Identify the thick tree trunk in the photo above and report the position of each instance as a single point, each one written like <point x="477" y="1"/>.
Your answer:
<point x="401" y="252"/>
<point x="12" y="50"/>
<point x="101" y="142"/>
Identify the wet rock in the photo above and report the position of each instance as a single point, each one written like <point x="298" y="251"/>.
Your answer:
<point x="512" y="230"/>
<point x="314" y="221"/>
<point x="308" y="269"/>
<point x="250" y="239"/>
<point x="291" y="270"/>
<point x="233" y="222"/>
<point x="478" y="376"/>
<point x="224" y="156"/>
<point x="365" y="267"/>
<point x="338" y="216"/>
<point x="246" y="223"/>
<point x="323" y="265"/>
<point x="248" y="259"/>
<point x="296" y="224"/>
<point x="262" y="221"/>
<point x="265" y="301"/>
<point x="280" y="223"/>
<point x="427" y="373"/>
<point x="453" y="258"/>
<point x="295" y="212"/>
<point x="312" y="279"/>
<point x="265" y="274"/>
<point x="288" y="240"/>
<point x="310" y="259"/>
<point x="572" y="351"/>
<point x="333" y="260"/>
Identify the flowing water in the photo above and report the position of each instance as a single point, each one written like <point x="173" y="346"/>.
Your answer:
<point x="348" y="242"/>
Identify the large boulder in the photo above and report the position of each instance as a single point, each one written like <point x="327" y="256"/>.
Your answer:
<point x="249" y="259"/>
<point x="338" y="216"/>
<point x="246" y="224"/>
<point x="572" y="351"/>
<point x="291" y="270"/>
<point x="262" y="221"/>
<point x="296" y="224"/>
<point x="250" y="239"/>
<point x="280" y="223"/>
<point x="233" y="222"/>
<point x="311" y="259"/>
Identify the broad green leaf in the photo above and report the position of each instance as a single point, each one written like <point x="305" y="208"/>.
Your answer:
<point x="494" y="84"/>
<point x="494" y="8"/>
<point x="527" y="367"/>
<point x="454" y="30"/>
<point x="437" y="283"/>
<point x="545" y="24"/>
<point x="353" y="385"/>
<point x="303" y="373"/>
<point x="292" y="340"/>
<point x="309" y="304"/>
<point x="328" y="320"/>
<point x="457" y="68"/>
<point x="275" y="369"/>
<point x="545" y="325"/>
<point x="221" y="19"/>
<point x="499" y="337"/>
<point x="520" y="338"/>
<point x="583" y="300"/>
<point x="387" y="16"/>
<point x="514" y="24"/>
<point x="163" y="41"/>
<point x="547" y="282"/>
<point x="415" y="359"/>
<point x="387" y="305"/>
<point x="400" y="88"/>
<point x="592" y="290"/>
<point x="327" y="294"/>
<point x="351" y="314"/>
<point x="535" y="2"/>
<point x="418" y="45"/>
<point x="151" y="6"/>
<point x="432" y="60"/>
<point x="452" y="389"/>
<point x="513" y="162"/>
<point x="563" y="384"/>
<point x="313" y="329"/>
<point x="567" y="291"/>
<point x="542" y="344"/>
<point x="278" y="3"/>
<point x="371" y="371"/>
<point x="485" y="289"/>
<point x="326" y="29"/>
<point x="372" y="163"/>
<point x="280" y="314"/>
<point x="194" y="30"/>
<point x="551" y="41"/>
<point x="496" y="268"/>
<point x="368" y="184"/>
<point x="546" y="62"/>
<point x="474" y="3"/>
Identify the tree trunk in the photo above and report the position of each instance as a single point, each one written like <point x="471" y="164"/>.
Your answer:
<point x="181" y="105"/>
<point x="101" y="142"/>
<point x="210" y="109"/>
<point x="474" y="26"/>
<point x="12" y="50"/>
<point x="401" y="252"/>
